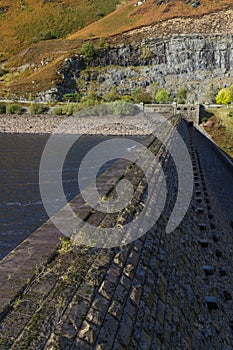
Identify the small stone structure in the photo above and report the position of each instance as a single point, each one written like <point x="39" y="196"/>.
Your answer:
<point x="189" y="112"/>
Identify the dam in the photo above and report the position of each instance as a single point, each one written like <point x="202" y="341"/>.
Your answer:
<point x="160" y="291"/>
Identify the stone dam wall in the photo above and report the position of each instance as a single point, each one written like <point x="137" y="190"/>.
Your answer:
<point x="161" y="291"/>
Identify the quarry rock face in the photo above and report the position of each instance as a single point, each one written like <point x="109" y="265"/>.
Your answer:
<point x="194" y="61"/>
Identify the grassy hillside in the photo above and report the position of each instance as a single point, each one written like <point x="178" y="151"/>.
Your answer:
<point x="152" y="11"/>
<point x="23" y="22"/>
<point x="220" y="128"/>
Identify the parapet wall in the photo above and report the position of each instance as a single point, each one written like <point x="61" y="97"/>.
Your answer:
<point x="188" y="112"/>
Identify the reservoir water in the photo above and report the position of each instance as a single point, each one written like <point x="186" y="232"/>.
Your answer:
<point x="21" y="208"/>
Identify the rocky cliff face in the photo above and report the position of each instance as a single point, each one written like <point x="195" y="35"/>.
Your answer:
<point x="195" y="61"/>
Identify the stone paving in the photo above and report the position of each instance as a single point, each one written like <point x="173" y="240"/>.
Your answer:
<point x="162" y="291"/>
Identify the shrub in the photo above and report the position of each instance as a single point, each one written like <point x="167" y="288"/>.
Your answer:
<point x="70" y="109"/>
<point x="154" y="87"/>
<point x="225" y="96"/>
<point x="141" y="95"/>
<point x="101" y="43"/>
<point x="2" y="108"/>
<point x="212" y="93"/>
<point x="119" y="108"/>
<point x="107" y="46"/>
<point x="230" y="114"/>
<point x="127" y="98"/>
<point x="88" y="49"/>
<point x="182" y="95"/>
<point x="163" y="96"/>
<point x="73" y="97"/>
<point x="47" y="36"/>
<point x="57" y="111"/>
<point x="37" y="108"/>
<point x="90" y="99"/>
<point x="113" y="95"/>
<point x="14" y="109"/>
<point x="146" y="52"/>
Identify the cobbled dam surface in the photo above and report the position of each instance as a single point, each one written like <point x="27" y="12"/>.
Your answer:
<point x="161" y="291"/>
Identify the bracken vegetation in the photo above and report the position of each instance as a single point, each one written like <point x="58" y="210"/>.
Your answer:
<point x="33" y="25"/>
<point x="31" y="21"/>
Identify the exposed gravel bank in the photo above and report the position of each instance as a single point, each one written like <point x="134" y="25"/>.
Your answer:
<point x="102" y="125"/>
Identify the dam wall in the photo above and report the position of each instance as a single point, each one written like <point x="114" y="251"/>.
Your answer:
<point x="161" y="291"/>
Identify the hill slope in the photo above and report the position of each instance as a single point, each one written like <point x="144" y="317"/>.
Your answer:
<point x="28" y="21"/>
<point x="36" y="68"/>
<point x="151" y="11"/>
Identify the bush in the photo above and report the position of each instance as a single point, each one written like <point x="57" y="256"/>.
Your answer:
<point x="212" y="93"/>
<point x="2" y="108"/>
<point x="14" y="109"/>
<point x="37" y="108"/>
<point x="73" y="97"/>
<point x="47" y="36"/>
<point x="119" y="108"/>
<point x="116" y="108"/>
<point x="113" y="95"/>
<point x="141" y="95"/>
<point x="146" y="52"/>
<point x="230" y="114"/>
<point x="163" y="96"/>
<point x="70" y="109"/>
<point x="224" y="97"/>
<point x="57" y="111"/>
<point x="88" y="49"/>
<point x="154" y="87"/>
<point x="101" y="43"/>
<point x="182" y="96"/>
<point x="90" y="99"/>
<point x="127" y="98"/>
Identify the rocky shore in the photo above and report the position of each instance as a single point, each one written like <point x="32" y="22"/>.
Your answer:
<point x="87" y="125"/>
<point x="26" y="123"/>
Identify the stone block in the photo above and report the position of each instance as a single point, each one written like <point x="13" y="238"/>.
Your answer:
<point x="136" y="293"/>
<point x="88" y="332"/>
<point x="107" y="289"/>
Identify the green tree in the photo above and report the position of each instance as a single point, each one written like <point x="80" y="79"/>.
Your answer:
<point x="141" y="95"/>
<point x="88" y="49"/>
<point x="163" y="96"/>
<point x="225" y="96"/>
<point x="182" y="95"/>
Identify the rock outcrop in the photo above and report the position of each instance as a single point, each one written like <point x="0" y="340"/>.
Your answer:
<point x="195" y="61"/>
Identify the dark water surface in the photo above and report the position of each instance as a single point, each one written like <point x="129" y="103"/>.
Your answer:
<point x="21" y="209"/>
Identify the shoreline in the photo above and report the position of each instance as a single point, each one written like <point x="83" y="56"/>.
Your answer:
<point x="48" y="124"/>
